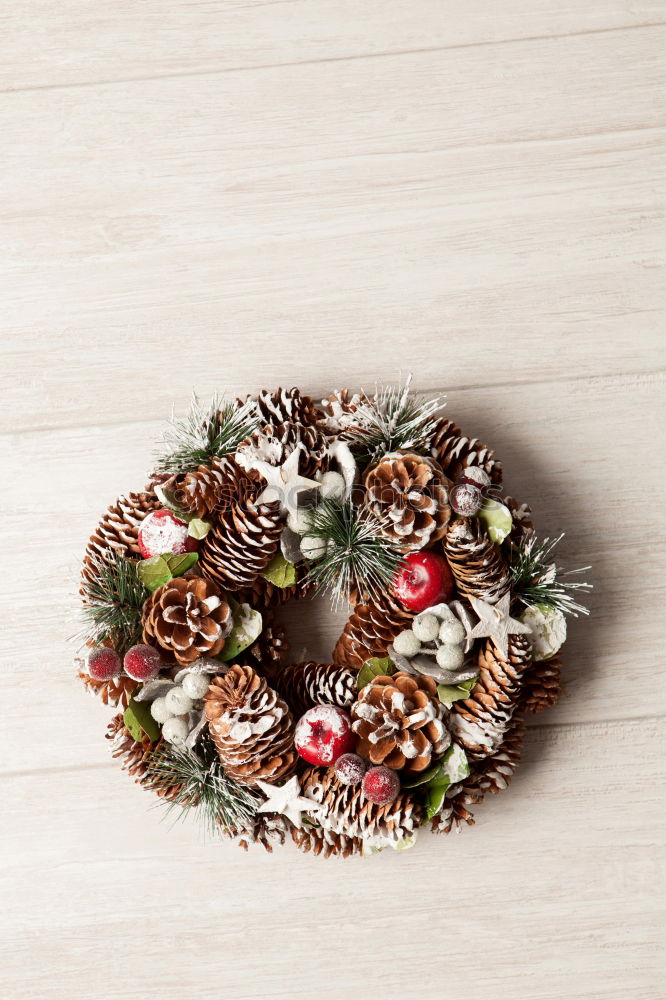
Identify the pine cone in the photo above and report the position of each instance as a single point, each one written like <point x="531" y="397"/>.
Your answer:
<point x="261" y="593"/>
<point x="338" y="412"/>
<point x="204" y="488"/>
<point x="115" y="691"/>
<point x="542" y="685"/>
<point x="267" y="654"/>
<point x="188" y="617"/>
<point x="265" y="831"/>
<point x="307" y="684"/>
<point x="318" y="840"/>
<point x="347" y="811"/>
<point x="275" y="442"/>
<point x="475" y="561"/>
<point x="285" y="406"/>
<point x="399" y="722"/>
<point x="409" y="496"/>
<point x="251" y="727"/>
<point x="241" y="544"/>
<point x="480" y="722"/>
<point x="521" y="515"/>
<point x="371" y="629"/>
<point x="133" y="755"/>
<point x="454" y="452"/>
<point x="118" y="531"/>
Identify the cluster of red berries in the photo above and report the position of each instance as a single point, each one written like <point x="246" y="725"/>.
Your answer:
<point x="141" y="663"/>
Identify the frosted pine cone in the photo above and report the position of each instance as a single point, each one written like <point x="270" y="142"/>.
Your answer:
<point x="251" y="726"/>
<point x="371" y="629"/>
<point x="307" y="684"/>
<point x="475" y="561"/>
<point x="275" y="442"/>
<point x="187" y="617"/>
<point x="339" y="409"/>
<point x="201" y="490"/>
<point x="285" y="405"/>
<point x="241" y="544"/>
<point x="399" y="722"/>
<point x="454" y="452"/>
<point x="118" y="531"/>
<point x="542" y="685"/>
<point x="408" y="495"/>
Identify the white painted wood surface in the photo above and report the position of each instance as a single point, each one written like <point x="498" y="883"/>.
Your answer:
<point x="230" y="195"/>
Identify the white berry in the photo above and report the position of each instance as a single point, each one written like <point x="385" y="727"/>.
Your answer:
<point x="178" y="702"/>
<point x="332" y="486"/>
<point x="425" y="628"/>
<point x="195" y="685"/>
<point x="299" y="520"/>
<point x="406" y="643"/>
<point x="175" y="730"/>
<point x="452" y="632"/>
<point x="159" y="710"/>
<point x="450" y="657"/>
<point x="313" y="547"/>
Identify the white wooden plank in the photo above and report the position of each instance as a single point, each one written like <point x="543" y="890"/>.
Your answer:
<point x="555" y="893"/>
<point x="226" y="222"/>
<point x="73" y="42"/>
<point x="578" y="450"/>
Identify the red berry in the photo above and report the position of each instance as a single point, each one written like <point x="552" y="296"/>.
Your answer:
<point x="381" y="785"/>
<point x="423" y="580"/>
<point x="103" y="663"/>
<point x="465" y="499"/>
<point x="323" y="734"/>
<point x="349" y="769"/>
<point x="162" y="532"/>
<point x="142" y="662"/>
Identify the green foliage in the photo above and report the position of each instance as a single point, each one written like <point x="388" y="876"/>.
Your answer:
<point x="138" y="720"/>
<point x="448" y="770"/>
<point x="357" y="557"/>
<point x="392" y="420"/>
<point x="158" y="570"/>
<point x="374" y="667"/>
<point x="448" y="693"/>
<point x="248" y="624"/>
<point x="113" y="601"/>
<point x="537" y="580"/>
<point x="280" y="572"/>
<point x="205" y="433"/>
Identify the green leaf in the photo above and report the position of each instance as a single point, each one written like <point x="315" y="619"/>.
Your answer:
<point x="435" y="795"/>
<point x="423" y="777"/>
<point x="138" y="720"/>
<point x="168" y="499"/>
<point x="179" y="564"/>
<point x="454" y="764"/>
<point x="280" y="572"/>
<point x="374" y="667"/>
<point x="153" y="572"/>
<point x="405" y="842"/>
<point x="198" y="528"/>
<point x="448" y="693"/>
<point x="247" y="629"/>
<point x="497" y="519"/>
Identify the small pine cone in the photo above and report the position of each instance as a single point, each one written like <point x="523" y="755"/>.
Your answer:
<point x="338" y="412"/>
<point x="241" y="544"/>
<point x="399" y="722"/>
<point x="115" y="691"/>
<point x="318" y="840"/>
<point x="453" y="814"/>
<point x="188" y="617"/>
<point x="346" y="810"/>
<point x="267" y="654"/>
<point x="409" y="496"/>
<point x="133" y="755"/>
<point x="521" y="515"/>
<point x="118" y="531"/>
<point x="307" y="684"/>
<point x="265" y="831"/>
<point x="480" y="722"/>
<point x="275" y="442"/>
<point x="285" y="406"/>
<point x="206" y="487"/>
<point x="455" y="452"/>
<point x="251" y="727"/>
<point x="371" y="629"/>
<point x="475" y="561"/>
<point x="542" y="685"/>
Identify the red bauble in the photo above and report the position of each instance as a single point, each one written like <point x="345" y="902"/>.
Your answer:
<point x="103" y="663"/>
<point x="142" y="662"/>
<point x="423" y="580"/>
<point x="381" y="785"/>
<point x="323" y="734"/>
<point x="465" y="499"/>
<point x="162" y="532"/>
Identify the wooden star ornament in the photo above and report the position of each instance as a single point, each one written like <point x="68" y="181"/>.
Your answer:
<point x="286" y="800"/>
<point x="283" y="482"/>
<point x="496" y="623"/>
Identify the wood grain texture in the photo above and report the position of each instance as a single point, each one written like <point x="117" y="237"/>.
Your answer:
<point x="227" y="195"/>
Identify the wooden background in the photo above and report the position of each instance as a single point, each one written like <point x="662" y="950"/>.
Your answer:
<point x="235" y="194"/>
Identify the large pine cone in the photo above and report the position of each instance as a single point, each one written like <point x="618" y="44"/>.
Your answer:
<point x="118" y="531"/>
<point x="475" y="561"/>
<point x="346" y="810"/>
<point x="241" y="544"/>
<point x="189" y="617"/>
<point x="455" y="453"/>
<point x="371" y="629"/>
<point x="480" y="722"/>
<point x="275" y="442"/>
<point x="399" y="722"/>
<point x="285" y="406"/>
<point x="409" y="496"/>
<point x="251" y="727"/>
<point x="206" y="487"/>
<point x="307" y="684"/>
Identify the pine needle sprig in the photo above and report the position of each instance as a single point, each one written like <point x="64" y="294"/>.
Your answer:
<point x="113" y="597"/>
<point x="205" y="433"/>
<point x="202" y="788"/>
<point x="391" y="420"/>
<point x="357" y="557"/>
<point x="536" y="579"/>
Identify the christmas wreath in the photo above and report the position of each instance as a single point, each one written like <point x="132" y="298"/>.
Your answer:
<point x="458" y="614"/>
